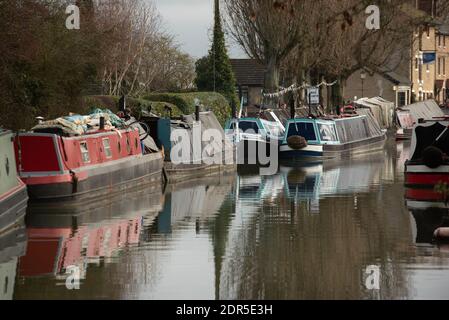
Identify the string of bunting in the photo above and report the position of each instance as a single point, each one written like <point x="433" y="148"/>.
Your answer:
<point x="295" y="87"/>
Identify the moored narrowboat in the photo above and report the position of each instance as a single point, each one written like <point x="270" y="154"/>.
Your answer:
<point x="84" y="157"/>
<point x="255" y="137"/>
<point x="13" y="194"/>
<point x="326" y="138"/>
<point x="428" y="165"/>
<point x="189" y="153"/>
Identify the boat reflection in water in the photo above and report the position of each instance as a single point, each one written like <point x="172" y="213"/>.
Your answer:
<point x="12" y="247"/>
<point x="305" y="233"/>
<point x="193" y="201"/>
<point x="310" y="233"/>
<point x="429" y="268"/>
<point x="84" y="237"/>
<point x="125" y="250"/>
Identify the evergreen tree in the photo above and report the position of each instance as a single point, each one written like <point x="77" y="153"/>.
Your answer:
<point x="214" y="72"/>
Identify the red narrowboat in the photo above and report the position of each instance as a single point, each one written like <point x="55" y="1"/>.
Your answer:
<point x="59" y="164"/>
<point x="428" y="166"/>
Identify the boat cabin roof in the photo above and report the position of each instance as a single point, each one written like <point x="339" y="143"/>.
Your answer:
<point x="334" y="130"/>
<point x="271" y="127"/>
<point x="4" y="131"/>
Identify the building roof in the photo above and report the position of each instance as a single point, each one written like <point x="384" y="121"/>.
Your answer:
<point x="248" y="72"/>
<point x="397" y="78"/>
<point x="393" y="76"/>
<point x="443" y="29"/>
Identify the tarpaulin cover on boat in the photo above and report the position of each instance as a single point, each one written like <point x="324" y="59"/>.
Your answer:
<point x="208" y="121"/>
<point x="148" y="142"/>
<point x="422" y="110"/>
<point x="380" y="108"/>
<point x="75" y="125"/>
<point x="406" y="120"/>
<point x="358" y="128"/>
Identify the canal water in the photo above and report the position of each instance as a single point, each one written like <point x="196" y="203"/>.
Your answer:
<point x="308" y="232"/>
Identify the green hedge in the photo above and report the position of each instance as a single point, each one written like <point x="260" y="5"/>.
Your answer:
<point x="112" y="103"/>
<point x="186" y="102"/>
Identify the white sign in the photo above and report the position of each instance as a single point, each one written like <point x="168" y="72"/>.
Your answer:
<point x="313" y="95"/>
<point x="372" y="280"/>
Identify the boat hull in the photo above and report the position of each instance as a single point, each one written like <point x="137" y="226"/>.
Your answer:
<point x="420" y="176"/>
<point x="256" y="152"/>
<point x="13" y="207"/>
<point x="181" y="173"/>
<point x="340" y="151"/>
<point x="98" y="181"/>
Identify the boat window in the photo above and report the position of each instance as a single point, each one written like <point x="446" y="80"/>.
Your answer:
<point x="249" y="127"/>
<point x="84" y="152"/>
<point x="7" y="166"/>
<point x="274" y="129"/>
<point x="327" y="132"/>
<point x="128" y="145"/>
<point x="107" y="148"/>
<point x="5" y="289"/>
<point x="303" y="129"/>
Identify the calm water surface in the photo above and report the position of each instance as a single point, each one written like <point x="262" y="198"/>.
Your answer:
<point x="305" y="233"/>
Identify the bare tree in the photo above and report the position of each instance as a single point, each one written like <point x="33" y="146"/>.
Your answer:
<point x="138" y="53"/>
<point x="330" y="35"/>
<point x="269" y="30"/>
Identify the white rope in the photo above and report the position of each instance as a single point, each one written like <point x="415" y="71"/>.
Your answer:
<point x="295" y="87"/>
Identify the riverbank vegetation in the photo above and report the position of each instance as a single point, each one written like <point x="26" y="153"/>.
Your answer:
<point x="120" y="48"/>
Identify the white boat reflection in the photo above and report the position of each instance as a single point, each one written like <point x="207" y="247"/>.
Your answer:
<point x="315" y="181"/>
<point x="198" y="199"/>
<point x="12" y="247"/>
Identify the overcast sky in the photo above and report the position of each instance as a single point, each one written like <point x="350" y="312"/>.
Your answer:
<point x="191" y="22"/>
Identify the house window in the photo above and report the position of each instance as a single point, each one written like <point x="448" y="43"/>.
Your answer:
<point x="420" y="71"/>
<point x="84" y="152"/>
<point x="439" y="40"/>
<point x="428" y="31"/>
<point x="439" y="66"/>
<point x="107" y="148"/>
<point x="402" y="99"/>
<point x="416" y="63"/>
<point x="244" y="92"/>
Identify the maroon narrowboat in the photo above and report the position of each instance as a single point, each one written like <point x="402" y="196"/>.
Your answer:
<point x="428" y="166"/>
<point x="85" y="166"/>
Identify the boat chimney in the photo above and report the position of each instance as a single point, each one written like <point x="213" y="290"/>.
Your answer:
<point x="197" y="112"/>
<point x="102" y="123"/>
<point x="122" y="104"/>
<point x="292" y="109"/>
